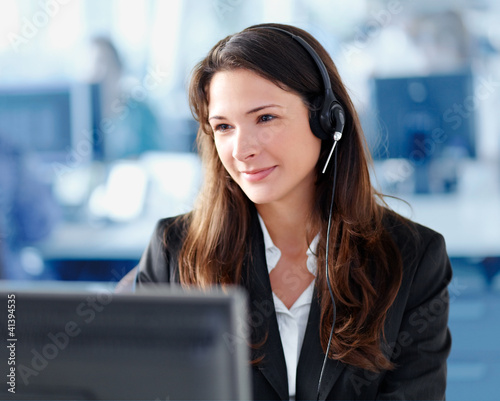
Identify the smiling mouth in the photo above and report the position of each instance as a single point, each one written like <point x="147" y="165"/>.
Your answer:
<point x="257" y="175"/>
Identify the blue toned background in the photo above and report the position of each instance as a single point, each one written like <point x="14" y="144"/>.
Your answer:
<point x="96" y="136"/>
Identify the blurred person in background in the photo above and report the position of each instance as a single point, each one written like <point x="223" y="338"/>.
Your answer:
<point x="126" y="120"/>
<point x="443" y="40"/>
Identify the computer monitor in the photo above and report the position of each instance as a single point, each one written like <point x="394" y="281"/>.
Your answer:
<point x="53" y="121"/>
<point x="158" y="344"/>
<point x="437" y="108"/>
<point x="426" y="120"/>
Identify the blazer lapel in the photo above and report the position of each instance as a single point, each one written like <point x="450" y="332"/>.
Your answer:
<point x="263" y="322"/>
<point x="311" y="360"/>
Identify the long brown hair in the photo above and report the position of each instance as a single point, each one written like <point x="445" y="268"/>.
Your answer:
<point x="365" y="266"/>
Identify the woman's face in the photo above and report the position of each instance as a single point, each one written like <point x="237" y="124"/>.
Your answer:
<point x="263" y="138"/>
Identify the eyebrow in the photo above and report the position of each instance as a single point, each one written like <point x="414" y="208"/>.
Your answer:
<point x="255" y="110"/>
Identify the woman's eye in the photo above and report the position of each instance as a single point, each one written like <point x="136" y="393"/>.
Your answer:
<point x="222" y="127"/>
<point x="266" y="117"/>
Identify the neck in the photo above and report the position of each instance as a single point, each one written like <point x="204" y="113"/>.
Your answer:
<point x="291" y="229"/>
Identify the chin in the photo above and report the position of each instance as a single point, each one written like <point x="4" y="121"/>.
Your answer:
<point x="261" y="199"/>
<point x="258" y="198"/>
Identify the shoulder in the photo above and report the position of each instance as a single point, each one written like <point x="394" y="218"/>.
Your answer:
<point x="170" y="233"/>
<point x="173" y="229"/>
<point x="159" y="261"/>
<point x="410" y="237"/>
<point x="426" y="266"/>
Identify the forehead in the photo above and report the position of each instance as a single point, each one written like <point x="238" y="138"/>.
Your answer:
<point x="234" y="89"/>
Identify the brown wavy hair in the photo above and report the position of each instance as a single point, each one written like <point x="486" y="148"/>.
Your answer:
<point x="365" y="266"/>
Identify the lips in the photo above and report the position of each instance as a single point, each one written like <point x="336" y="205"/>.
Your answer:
<point x="257" y="174"/>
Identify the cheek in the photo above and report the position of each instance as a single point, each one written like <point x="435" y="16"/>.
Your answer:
<point x="306" y="147"/>
<point x="315" y="151"/>
<point x="316" y="148"/>
<point x="225" y="152"/>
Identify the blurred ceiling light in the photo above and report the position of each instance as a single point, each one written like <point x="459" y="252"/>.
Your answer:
<point x="122" y="198"/>
<point x="32" y="261"/>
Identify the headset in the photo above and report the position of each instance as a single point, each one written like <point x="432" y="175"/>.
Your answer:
<point x="327" y="124"/>
<point x="328" y="118"/>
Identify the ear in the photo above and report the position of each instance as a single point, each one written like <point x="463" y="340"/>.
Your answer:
<point x="314" y="122"/>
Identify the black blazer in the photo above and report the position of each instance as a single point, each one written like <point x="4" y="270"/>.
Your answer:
<point x="418" y="339"/>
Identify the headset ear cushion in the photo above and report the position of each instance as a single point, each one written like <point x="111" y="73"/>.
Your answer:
<point x="314" y="122"/>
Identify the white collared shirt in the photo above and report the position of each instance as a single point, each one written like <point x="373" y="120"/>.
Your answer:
<point x="291" y="322"/>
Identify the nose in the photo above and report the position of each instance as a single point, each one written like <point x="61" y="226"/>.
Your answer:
<point x="245" y="145"/>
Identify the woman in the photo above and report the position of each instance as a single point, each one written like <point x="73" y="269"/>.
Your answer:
<point x="262" y="221"/>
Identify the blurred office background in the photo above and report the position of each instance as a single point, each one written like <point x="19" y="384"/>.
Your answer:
<point x="97" y="140"/>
